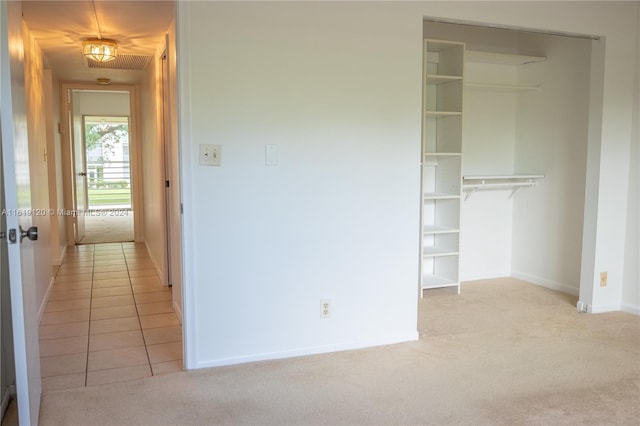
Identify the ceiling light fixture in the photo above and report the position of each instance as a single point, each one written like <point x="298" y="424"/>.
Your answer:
<point x="99" y="49"/>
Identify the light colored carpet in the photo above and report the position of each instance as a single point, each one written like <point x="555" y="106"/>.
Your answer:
<point x="502" y="353"/>
<point x="106" y="227"/>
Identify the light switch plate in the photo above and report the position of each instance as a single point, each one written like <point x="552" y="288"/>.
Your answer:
<point x="210" y="155"/>
<point x="271" y="155"/>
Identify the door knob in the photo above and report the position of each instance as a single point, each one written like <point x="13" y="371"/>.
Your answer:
<point x="82" y="174"/>
<point x="31" y="233"/>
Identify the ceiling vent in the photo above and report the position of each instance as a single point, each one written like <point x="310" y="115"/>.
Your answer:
<point x="123" y="62"/>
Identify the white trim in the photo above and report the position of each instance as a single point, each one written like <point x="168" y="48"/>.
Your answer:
<point x="553" y="285"/>
<point x="135" y="154"/>
<point x="631" y="309"/>
<point x="135" y="161"/>
<point x="512" y="27"/>
<point x="60" y="259"/>
<point x="10" y="393"/>
<point x="314" y="350"/>
<point x="45" y="299"/>
<point x="162" y="275"/>
<point x="6" y="398"/>
<point x="178" y="310"/>
<point x="484" y="276"/>
<point x="183" y="71"/>
<point x="600" y="309"/>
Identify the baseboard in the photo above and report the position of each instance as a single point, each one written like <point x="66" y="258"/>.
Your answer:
<point x="600" y="309"/>
<point x="553" y="285"/>
<point x="178" y="310"/>
<point x="60" y="259"/>
<point x="159" y="271"/>
<point x="6" y="399"/>
<point x="361" y="344"/>
<point x="613" y="307"/>
<point x="484" y="276"/>
<point x="9" y="394"/>
<point x="635" y="310"/>
<point x="45" y="299"/>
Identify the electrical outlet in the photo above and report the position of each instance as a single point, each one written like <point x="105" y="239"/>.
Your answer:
<point x="325" y="308"/>
<point x="603" y="279"/>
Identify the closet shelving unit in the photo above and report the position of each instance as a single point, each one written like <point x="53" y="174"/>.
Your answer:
<point x="441" y="164"/>
<point x="472" y="183"/>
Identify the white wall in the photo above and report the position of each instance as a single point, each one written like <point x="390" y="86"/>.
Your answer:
<point x="552" y="134"/>
<point x="488" y="149"/>
<point x="338" y="218"/>
<point x="631" y="289"/>
<point x="38" y="158"/>
<point x="337" y="87"/>
<point x="54" y="164"/>
<point x="90" y="102"/>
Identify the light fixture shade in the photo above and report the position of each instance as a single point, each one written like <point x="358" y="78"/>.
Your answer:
<point x="100" y="49"/>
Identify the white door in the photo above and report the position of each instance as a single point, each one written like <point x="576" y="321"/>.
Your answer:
<point x="79" y="168"/>
<point x="15" y="161"/>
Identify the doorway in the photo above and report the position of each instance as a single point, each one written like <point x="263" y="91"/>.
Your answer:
<point x="101" y="186"/>
<point x="519" y="173"/>
<point x="108" y="180"/>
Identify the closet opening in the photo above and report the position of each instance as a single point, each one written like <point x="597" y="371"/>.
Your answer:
<point x="504" y="156"/>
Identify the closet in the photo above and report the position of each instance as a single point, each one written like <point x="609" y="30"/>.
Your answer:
<point x="505" y="122"/>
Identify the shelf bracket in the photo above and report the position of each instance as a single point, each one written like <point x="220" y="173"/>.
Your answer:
<point x="514" y="191"/>
<point x="469" y="192"/>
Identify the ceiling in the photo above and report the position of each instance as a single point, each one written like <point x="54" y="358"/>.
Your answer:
<point x="59" y="27"/>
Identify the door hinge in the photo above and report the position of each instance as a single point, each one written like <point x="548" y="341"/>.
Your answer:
<point x="181" y="208"/>
<point x="167" y="184"/>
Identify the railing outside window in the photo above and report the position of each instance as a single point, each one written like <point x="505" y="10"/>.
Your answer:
<point x="109" y="185"/>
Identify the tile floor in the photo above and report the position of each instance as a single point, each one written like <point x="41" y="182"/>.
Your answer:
<point x="108" y="319"/>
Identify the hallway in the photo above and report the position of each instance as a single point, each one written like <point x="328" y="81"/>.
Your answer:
<point x="108" y="226"/>
<point x="108" y="319"/>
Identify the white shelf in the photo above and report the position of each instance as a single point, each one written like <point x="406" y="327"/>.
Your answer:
<point x="473" y="183"/>
<point x="443" y="154"/>
<point x="443" y="113"/>
<point x="501" y="58"/>
<point x="502" y="177"/>
<point x="440" y="196"/>
<point x="435" y="229"/>
<point x="433" y="158"/>
<point x="443" y="79"/>
<point x="503" y="87"/>
<point x="431" y="251"/>
<point x="434" y="281"/>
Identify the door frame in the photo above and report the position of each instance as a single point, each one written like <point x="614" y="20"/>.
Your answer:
<point x="135" y="153"/>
